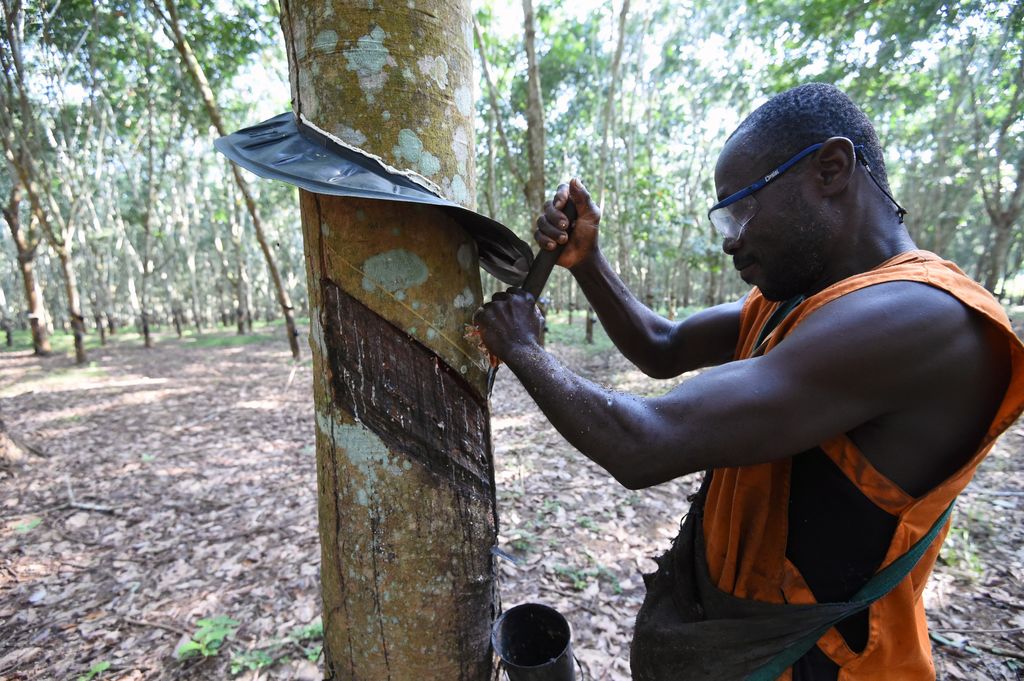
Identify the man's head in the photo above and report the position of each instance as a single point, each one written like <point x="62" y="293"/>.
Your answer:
<point x="785" y="228"/>
<point x="807" y="114"/>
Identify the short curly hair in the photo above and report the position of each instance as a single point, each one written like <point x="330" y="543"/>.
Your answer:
<point x="811" y="113"/>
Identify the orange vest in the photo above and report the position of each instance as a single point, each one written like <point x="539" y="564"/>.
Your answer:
<point x="745" y="517"/>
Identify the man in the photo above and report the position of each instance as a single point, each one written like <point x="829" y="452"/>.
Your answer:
<point x="850" y="396"/>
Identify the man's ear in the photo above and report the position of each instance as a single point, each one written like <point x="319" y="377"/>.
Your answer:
<point x="835" y="163"/>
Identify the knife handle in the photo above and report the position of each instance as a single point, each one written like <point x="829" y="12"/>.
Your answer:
<point x="545" y="261"/>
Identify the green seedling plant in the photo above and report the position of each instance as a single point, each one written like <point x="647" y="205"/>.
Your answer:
<point x="28" y="525"/>
<point x="95" y="671"/>
<point x="580" y="577"/>
<point x="524" y="542"/>
<point x="308" y="640"/>
<point x="960" y="551"/>
<point x="577" y="577"/>
<point x="209" y="637"/>
<point x="603" y="573"/>
<point x="251" y="660"/>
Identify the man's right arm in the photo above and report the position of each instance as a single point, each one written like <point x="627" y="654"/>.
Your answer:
<point x="658" y="347"/>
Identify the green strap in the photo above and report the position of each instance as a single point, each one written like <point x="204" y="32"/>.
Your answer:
<point x="781" y="312"/>
<point x="884" y="581"/>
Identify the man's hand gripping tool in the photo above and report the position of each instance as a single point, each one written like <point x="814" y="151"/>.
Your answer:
<point x="537" y="277"/>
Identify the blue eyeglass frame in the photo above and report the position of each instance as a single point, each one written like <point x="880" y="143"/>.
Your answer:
<point x="763" y="182"/>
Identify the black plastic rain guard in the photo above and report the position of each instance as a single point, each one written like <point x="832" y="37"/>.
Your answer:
<point x="534" y="644"/>
<point x="284" y="148"/>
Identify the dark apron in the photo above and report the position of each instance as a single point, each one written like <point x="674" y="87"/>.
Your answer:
<point x="687" y="628"/>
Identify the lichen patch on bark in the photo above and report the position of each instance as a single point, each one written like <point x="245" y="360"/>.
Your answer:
<point x="411" y="69"/>
<point x="394" y="271"/>
<point x="368" y="59"/>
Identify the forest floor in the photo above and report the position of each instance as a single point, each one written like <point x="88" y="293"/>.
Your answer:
<point x="177" y="484"/>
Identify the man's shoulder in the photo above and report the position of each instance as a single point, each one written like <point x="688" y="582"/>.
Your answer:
<point x="894" y="313"/>
<point x="905" y="301"/>
<point x="922" y="278"/>
<point x="939" y="369"/>
<point x="905" y="338"/>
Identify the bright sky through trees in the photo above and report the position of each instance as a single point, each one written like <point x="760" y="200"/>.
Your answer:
<point x="942" y="87"/>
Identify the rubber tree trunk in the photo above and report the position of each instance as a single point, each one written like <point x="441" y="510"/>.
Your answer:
<point x="406" y="486"/>
<point x="74" y="302"/>
<point x="535" y="188"/>
<point x="36" y="309"/>
<point x="997" y="254"/>
<point x="608" y="117"/>
<point x="26" y="266"/>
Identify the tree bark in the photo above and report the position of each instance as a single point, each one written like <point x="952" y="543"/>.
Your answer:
<point x="609" y="102"/>
<point x="191" y="64"/>
<point x="492" y="96"/>
<point x="74" y="301"/>
<point x="26" y="251"/>
<point x="998" y="255"/>
<point x="243" y="293"/>
<point x="406" y="489"/>
<point x="535" y="189"/>
<point x="1004" y="206"/>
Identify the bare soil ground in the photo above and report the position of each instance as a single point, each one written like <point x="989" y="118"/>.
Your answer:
<point x="176" y="484"/>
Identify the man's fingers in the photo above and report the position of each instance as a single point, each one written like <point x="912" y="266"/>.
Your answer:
<point x="551" y="231"/>
<point x="552" y="222"/>
<point x="544" y="241"/>
<point x="561" y="196"/>
<point x="581" y="197"/>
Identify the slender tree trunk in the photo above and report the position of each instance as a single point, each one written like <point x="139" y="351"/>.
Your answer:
<point x="492" y="175"/>
<point x="406" y="491"/>
<point x="241" y="282"/>
<point x="97" y="320"/>
<point x="194" y="69"/>
<point x="492" y="96"/>
<point x="5" y="318"/>
<point x="186" y="219"/>
<point x="176" y="319"/>
<point x="147" y="231"/>
<point x="609" y="103"/>
<point x="100" y="278"/>
<point x="1003" y="205"/>
<point x="572" y="301"/>
<point x="26" y="266"/>
<point x="147" y="339"/>
<point x="535" y="188"/>
<point x="74" y="303"/>
<point x="996" y="256"/>
<point x="608" y="117"/>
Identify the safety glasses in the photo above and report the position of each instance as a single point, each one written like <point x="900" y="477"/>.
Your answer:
<point x="731" y="214"/>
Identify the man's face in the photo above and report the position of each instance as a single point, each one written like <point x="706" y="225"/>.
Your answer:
<point x="782" y="249"/>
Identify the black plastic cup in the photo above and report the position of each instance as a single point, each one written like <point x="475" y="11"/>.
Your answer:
<point x="534" y="643"/>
